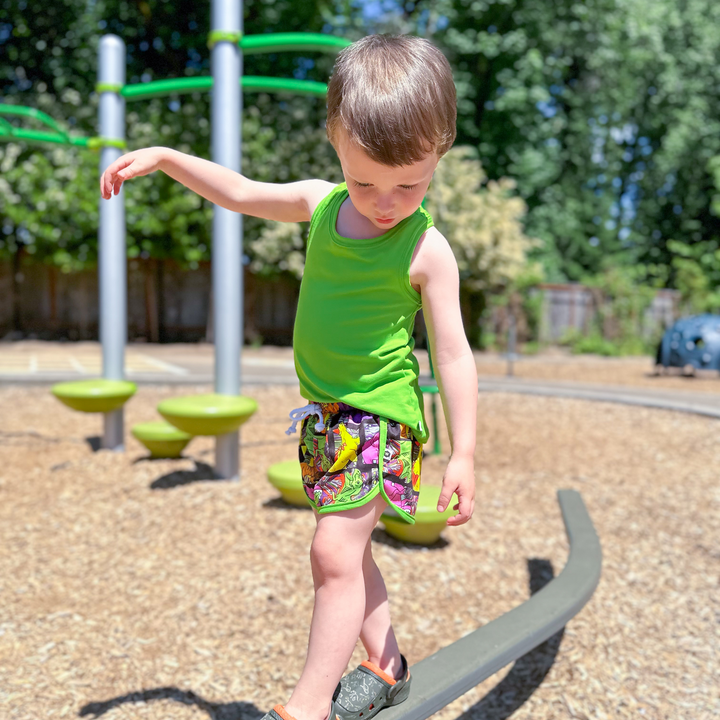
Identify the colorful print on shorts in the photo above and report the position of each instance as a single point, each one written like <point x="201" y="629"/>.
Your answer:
<point x="340" y="464"/>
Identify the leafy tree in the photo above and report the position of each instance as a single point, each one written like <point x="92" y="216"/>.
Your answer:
<point x="482" y="221"/>
<point x="605" y="112"/>
<point x="49" y="58"/>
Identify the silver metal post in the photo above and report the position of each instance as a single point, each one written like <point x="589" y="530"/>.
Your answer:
<point x="112" y="270"/>
<point x="227" y="276"/>
<point x="512" y="338"/>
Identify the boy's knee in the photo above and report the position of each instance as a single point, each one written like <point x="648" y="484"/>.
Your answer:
<point x="331" y="558"/>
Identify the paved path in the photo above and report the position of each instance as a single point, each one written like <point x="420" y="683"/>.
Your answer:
<point x="35" y="362"/>
<point x="42" y="362"/>
<point x="682" y="400"/>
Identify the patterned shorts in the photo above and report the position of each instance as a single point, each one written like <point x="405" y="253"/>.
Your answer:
<point x="342" y="464"/>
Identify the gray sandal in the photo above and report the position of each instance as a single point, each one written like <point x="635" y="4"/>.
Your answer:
<point x="367" y="690"/>
<point x="279" y="713"/>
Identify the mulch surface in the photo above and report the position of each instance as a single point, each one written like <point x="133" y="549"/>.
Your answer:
<point x="137" y="588"/>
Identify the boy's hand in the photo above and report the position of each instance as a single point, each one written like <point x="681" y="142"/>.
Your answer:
<point x="459" y="479"/>
<point x="134" y="164"/>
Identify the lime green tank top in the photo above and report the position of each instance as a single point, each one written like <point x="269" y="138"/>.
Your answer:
<point x="353" y="329"/>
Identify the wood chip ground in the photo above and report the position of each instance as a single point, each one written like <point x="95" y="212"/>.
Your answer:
<point x="143" y="589"/>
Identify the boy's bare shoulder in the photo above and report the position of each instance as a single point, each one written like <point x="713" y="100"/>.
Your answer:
<point x="432" y="257"/>
<point x="315" y="191"/>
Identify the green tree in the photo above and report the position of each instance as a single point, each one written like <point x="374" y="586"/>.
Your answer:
<point x="48" y="55"/>
<point x="482" y="220"/>
<point x="605" y="112"/>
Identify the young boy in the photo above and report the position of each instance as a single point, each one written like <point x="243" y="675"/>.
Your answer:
<point x="373" y="260"/>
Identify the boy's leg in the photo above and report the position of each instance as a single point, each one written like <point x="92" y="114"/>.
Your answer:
<point x="336" y="556"/>
<point x="377" y="634"/>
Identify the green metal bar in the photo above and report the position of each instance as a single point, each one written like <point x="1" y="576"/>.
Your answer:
<point x="286" y="42"/>
<point x="34" y="113"/>
<point x="162" y="88"/>
<point x="297" y="87"/>
<point x="437" y="448"/>
<point x="179" y="86"/>
<point x="41" y="136"/>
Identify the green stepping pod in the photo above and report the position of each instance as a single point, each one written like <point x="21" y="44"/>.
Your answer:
<point x="287" y="479"/>
<point x="207" y="414"/>
<point x="162" y="439"/>
<point x="429" y="523"/>
<point x="93" y="396"/>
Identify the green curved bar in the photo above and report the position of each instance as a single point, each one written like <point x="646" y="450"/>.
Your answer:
<point x="285" y="42"/>
<point x="251" y="83"/>
<point x="34" y="113"/>
<point x="41" y="136"/>
<point x="161" y="88"/>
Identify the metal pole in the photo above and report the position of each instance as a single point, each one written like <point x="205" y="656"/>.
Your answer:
<point x="512" y="337"/>
<point x="112" y="270"/>
<point x="227" y="278"/>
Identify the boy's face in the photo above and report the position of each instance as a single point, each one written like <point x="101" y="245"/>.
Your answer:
<point x="384" y="195"/>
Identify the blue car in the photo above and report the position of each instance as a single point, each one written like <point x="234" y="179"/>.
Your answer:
<point x="691" y="341"/>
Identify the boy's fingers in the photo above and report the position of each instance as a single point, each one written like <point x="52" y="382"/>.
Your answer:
<point x="444" y="499"/>
<point x="465" y="506"/>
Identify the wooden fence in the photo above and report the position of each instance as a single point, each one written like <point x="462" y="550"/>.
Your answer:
<point x="165" y="304"/>
<point x="169" y="304"/>
<point x="572" y="307"/>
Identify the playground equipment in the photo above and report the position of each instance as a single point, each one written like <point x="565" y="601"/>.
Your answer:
<point x="287" y="479"/>
<point x="162" y="439"/>
<point x="429" y="523"/>
<point x="226" y="42"/>
<point x="452" y="671"/>
<point x="94" y="396"/>
<point x="691" y="341"/>
<point x="208" y="414"/>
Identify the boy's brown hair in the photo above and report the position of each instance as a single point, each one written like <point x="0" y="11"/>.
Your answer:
<point x="395" y="98"/>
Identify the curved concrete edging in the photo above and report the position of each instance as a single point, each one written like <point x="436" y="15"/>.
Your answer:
<point x="452" y="671"/>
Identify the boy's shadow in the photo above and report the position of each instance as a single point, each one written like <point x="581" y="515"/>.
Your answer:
<point x="528" y="672"/>
<point x="215" y="711"/>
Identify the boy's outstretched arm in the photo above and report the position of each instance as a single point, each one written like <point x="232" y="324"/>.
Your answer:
<point x="434" y="271"/>
<point x="290" y="202"/>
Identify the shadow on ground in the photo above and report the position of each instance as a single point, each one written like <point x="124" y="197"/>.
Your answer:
<point x="280" y="504"/>
<point x="94" y="442"/>
<point x="500" y="703"/>
<point x="201" y="473"/>
<point x="380" y="536"/>
<point x="528" y="672"/>
<point x="216" y="711"/>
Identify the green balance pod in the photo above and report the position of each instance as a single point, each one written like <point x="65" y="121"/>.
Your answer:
<point x="207" y="414"/>
<point x="93" y="396"/>
<point x="162" y="439"/>
<point x="287" y="479"/>
<point x="429" y="523"/>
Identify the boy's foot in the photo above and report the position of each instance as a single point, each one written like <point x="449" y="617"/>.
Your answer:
<point x="280" y="713"/>
<point x="368" y="689"/>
